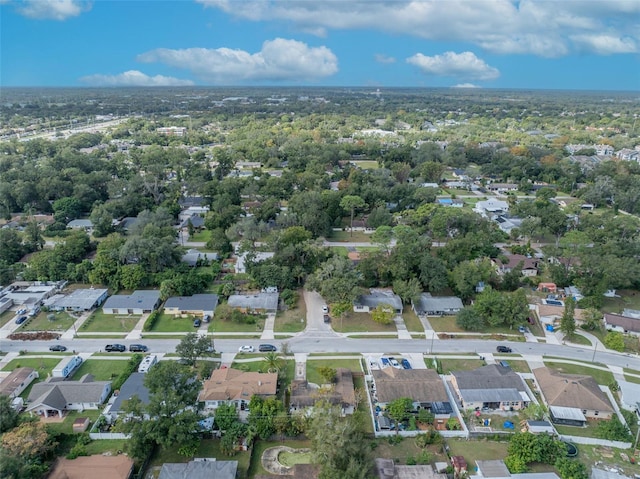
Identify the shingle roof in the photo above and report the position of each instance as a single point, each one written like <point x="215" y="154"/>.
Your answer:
<point x="571" y="390"/>
<point x="14" y="380"/>
<point x="434" y="303"/>
<point x="142" y="299"/>
<point x="343" y="392"/>
<point x="197" y="302"/>
<point x="266" y="301"/>
<point x="625" y="322"/>
<point x="81" y="298"/>
<point x="231" y="384"/>
<point x="58" y="394"/>
<point x="491" y="376"/>
<point x="421" y="385"/>
<point x="202" y="469"/>
<point x="133" y="386"/>
<point x="377" y="297"/>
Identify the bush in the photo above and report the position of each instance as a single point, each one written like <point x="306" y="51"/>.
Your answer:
<point x="151" y="321"/>
<point x="132" y="366"/>
<point x="290" y="298"/>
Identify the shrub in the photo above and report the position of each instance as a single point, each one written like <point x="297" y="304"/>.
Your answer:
<point x="151" y="321"/>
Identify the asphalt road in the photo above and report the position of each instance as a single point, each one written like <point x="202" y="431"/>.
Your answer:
<point x="321" y="342"/>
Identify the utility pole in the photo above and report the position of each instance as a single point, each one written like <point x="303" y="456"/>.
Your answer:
<point x="593" y="359"/>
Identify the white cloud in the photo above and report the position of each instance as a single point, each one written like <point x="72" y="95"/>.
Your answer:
<point x="381" y="58"/>
<point x="279" y="60"/>
<point x="606" y="44"/>
<point x="463" y="65"/>
<point x="465" y="85"/>
<point x="539" y="27"/>
<point x="53" y="9"/>
<point x="133" y="78"/>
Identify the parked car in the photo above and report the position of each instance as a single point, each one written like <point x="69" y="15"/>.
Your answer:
<point x="206" y="318"/>
<point x="522" y="329"/>
<point x="406" y="364"/>
<point x="21" y="311"/>
<point x="325" y="309"/>
<point x="138" y="348"/>
<point x="197" y="323"/>
<point x="58" y="347"/>
<point x="21" y="319"/>
<point x="385" y="362"/>
<point x="327" y="318"/>
<point x="245" y="349"/>
<point x="503" y="349"/>
<point x="263" y="348"/>
<point x="118" y="348"/>
<point x="394" y="362"/>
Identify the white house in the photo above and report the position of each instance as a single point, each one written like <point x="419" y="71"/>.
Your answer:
<point x="138" y="302"/>
<point x="54" y="397"/>
<point x="491" y="207"/>
<point x="17" y="381"/>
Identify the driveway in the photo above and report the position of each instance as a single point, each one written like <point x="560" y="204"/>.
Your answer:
<point x="315" y="316"/>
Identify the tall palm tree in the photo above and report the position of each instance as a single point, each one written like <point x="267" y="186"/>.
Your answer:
<point x="273" y="362"/>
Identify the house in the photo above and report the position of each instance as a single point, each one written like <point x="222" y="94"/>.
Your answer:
<point x="509" y="262"/>
<point x="17" y="381"/>
<point x="133" y="386"/>
<point x="502" y="187"/>
<point x="138" y="302"/>
<point x="507" y="223"/>
<point x="194" y="257"/>
<point x="97" y="466"/>
<point x="232" y="386"/>
<point x="436" y="305"/>
<point x="627" y="154"/>
<point x="200" y="468"/>
<point x="84" y="225"/>
<point x="257" y="257"/>
<point x="55" y="396"/>
<point x="491" y="207"/>
<point x="490" y="387"/>
<point x="172" y="130"/>
<point x="197" y="305"/>
<point x="388" y="469"/>
<point x="196" y="222"/>
<point x="254" y="303"/>
<point x="423" y="386"/>
<point x="572" y="398"/>
<point x="453" y="203"/>
<point x="547" y="287"/>
<point x="80" y="300"/>
<point x="342" y="393"/>
<point x="5" y="304"/>
<point x="376" y="297"/>
<point x="497" y="469"/>
<point x="30" y="294"/>
<point x="622" y="323"/>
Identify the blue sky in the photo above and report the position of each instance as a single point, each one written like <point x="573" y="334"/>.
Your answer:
<point x="533" y="44"/>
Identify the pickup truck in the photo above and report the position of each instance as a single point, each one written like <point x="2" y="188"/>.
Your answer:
<point x="120" y="348"/>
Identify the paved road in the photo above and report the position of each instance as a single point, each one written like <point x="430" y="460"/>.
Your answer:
<point x="323" y="341"/>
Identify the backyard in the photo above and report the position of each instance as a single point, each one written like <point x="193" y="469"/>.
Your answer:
<point x="478" y="450"/>
<point x="100" y="322"/>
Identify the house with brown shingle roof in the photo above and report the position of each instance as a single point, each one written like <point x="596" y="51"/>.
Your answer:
<point x="621" y="323"/>
<point x="97" y="466"/>
<point x="572" y="398"/>
<point x="17" y="381"/>
<point x="232" y="386"/>
<point x="492" y="386"/>
<point x="342" y="393"/>
<point x="423" y="386"/>
<point x="512" y="261"/>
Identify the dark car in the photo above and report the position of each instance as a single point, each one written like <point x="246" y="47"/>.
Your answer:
<point x="21" y="319"/>
<point x="327" y="318"/>
<point x="266" y="348"/>
<point x="58" y="347"/>
<point x="405" y="364"/>
<point x="138" y="348"/>
<point x="503" y="349"/>
<point x="119" y="348"/>
<point x="197" y="323"/>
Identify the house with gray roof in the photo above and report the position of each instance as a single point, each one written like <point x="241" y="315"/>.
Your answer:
<point x="376" y="297"/>
<point x="255" y="257"/>
<point x="195" y="257"/>
<point x="254" y="303"/>
<point x="133" y="386"/>
<point x="55" y="396"/>
<point x="428" y="305"/>
<point x="80" y="300"/>
<point x="490" y="387"/>
<point x="138" y="302"/>
<point x="195" y="305"/>
<point x="629" y="395"/>
<point x="200" y="468"/>
<point x="84" y="225"/>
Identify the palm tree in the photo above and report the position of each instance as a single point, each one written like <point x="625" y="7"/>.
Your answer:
<point x="273" y="361"/>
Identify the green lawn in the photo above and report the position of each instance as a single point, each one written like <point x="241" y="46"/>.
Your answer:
<point x="169" y="323"/>
<point x="411" y="320"/>
<point x="631" y="379"/>
<point x="66" y="426"/>
<point x="99" y="322"/>
<point x="255" y="467"/>
<point x="61" y="322"/>
<point x="629" y="299"/>
<point x="588" y="431"/>
<point x="9" y="315"/>
<point x="474" y="450"/>
<point x="313" y="367"/>
<point x="347" y="237"/>
<point x="292" y="320"/>
<point x="220" y="326"/>
<point x="360" y="323"/>
<point x="404" y="450"/>
<point x="200" y="236"/>
<point x="447" y="324"/>
<point x="519" y="366"/>
<point x="366" y="164"/>
<point x="105" y="446"/>
<point x="340" y="250"/>
<point x="602" y="377"/>
<point x="456" y="364"/>
<point x="579" y="339"/>
<point x="44" y="366"/>
<point x="100" y="369"/>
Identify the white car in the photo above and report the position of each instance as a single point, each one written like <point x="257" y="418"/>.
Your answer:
<point x="245" y="349"/>
<point x="325" y="309"/>
<point x="394" y="362"/>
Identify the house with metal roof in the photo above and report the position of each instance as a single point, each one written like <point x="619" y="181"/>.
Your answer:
<point x="17" y="381"/>
<point x="196" y="305"/>
<point x="490" y="387"/>
<point x="255" y="303"/>
<point x="200" y="468"/>
<point x="138" y="302"/>
<point x="80" y="300"/>
<point x="55" y="396"/>
<point x="436" y="305"/>
<point x="367" y="302"/>
<point x="572" y="398"/>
